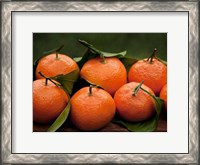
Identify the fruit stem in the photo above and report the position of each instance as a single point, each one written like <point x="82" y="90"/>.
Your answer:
<point x="46" y="81"/>
<point x="150" y="59"/>
<point x="102" y="58"/>
<point x="57" y="51"/>
<point x="90" y="90"/>
<point x="56" y="55"/>
<point x="135" y="91"/>
<point x="48" y="78"/>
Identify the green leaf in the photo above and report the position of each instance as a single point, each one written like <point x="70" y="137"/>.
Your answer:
<point x="137" y="88"/>
<point x="89" y="46"/>
<point x="77" y="59"/>
<point x="86" y="56"/>
<point x="67" y="81"/>
<point x="164" y="62"/>
<point x="121" y="54"/>
<point x="128" y="61"/>
<point x="93" y="52"/>
<point x="158" y="101"/>
<point x="61" y="118"/>
<point x="147" y="125"/>
<point x="159" y="105"/>
<point x="99" y="52"/>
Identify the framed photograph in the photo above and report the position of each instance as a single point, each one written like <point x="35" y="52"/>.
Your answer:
<point x="95" y="82"/>
<point x="93" y="70"/>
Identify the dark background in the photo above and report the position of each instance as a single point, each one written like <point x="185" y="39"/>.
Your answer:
<point x="138" y="45"/>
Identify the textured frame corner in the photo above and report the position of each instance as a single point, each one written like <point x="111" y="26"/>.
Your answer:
<point x="8" y="7"/>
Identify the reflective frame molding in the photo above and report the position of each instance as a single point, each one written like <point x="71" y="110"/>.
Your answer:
<point x="7" y="7"/>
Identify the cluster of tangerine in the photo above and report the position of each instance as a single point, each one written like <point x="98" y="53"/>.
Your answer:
<point x="92" y="108"/>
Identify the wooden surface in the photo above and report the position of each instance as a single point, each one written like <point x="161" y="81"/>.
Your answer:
<point x="111" y="127"/>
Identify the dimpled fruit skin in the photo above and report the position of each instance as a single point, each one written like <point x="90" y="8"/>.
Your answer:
<point x="50" y="66"/>
<point x="48" y="101"/>
<point x="163" y="95"/>
<point x="110" y="76"/>
<point x="89" y="113"/>
<point x="154" y="75"/>
<point x="134" y="108"/>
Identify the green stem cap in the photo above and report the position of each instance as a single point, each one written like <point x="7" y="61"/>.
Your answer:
<point x="103" y="60"/>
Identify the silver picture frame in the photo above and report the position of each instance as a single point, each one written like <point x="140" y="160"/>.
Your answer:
<point x="7" y="7"/>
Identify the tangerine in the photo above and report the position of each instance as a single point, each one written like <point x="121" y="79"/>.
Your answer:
<point x="153" y="72"/>
<point x="55" y="64"/>
<point x="91" y="108"/>
<point x="48" y="101"/>
<point x="163" y="95"/>
<point x="110" y="75"/>
<point x="134" y="108"/>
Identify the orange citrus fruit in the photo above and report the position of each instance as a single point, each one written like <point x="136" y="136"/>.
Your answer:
<point x="163" y="95"/>
<point x="109" y="75"/>
<point x="134" y="108"/>
<point x="48" y="101"/>
<point x="151" y="70"/>
<point x="91" y="110"/>
<point x="52" y="65"/>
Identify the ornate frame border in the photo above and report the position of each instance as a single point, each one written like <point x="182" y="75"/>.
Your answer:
<point x="7" y="7"/>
